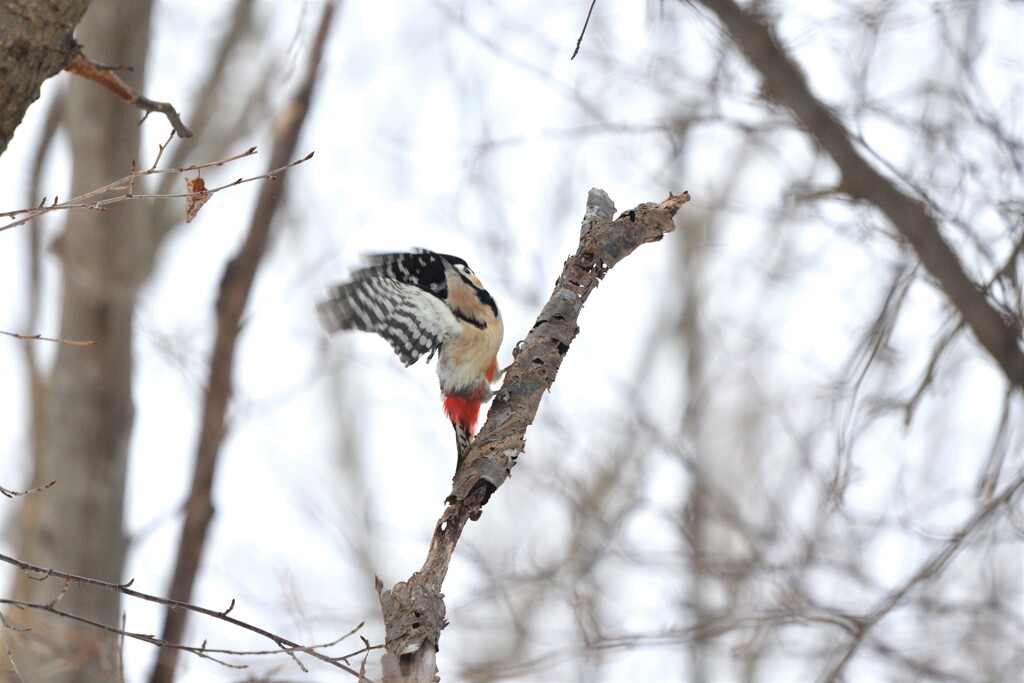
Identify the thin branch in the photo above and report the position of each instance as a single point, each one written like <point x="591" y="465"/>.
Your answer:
<point x="4" y="628"/>
<point x="125" y="185"/>
<point x="414" y="611"/>
<point x="39" y="337"/>
<point x="146" y="638"/>
<point x="13" y="494"/>
<point x="118" y="184"/>
<point x="931" y="568"/>
<point x="784" y="82"/>
<point x="285" y="645"/>
<point x="235" y="288"/>
<point x="80" y="65"/>
<point x="579" y="41"/>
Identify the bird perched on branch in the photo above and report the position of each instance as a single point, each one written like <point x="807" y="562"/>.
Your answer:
<point x="425" y="303"/>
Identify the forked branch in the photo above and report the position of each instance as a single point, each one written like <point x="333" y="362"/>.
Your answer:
<point x="414" y="611"/>
<point x="123" y="189"/>
<point x="785" y="83"/>
<point x="284" y="645"/>
<point x="80" y="65"/>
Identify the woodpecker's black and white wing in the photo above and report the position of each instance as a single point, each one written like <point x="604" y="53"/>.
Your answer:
<point x="421" y="268"/>
<point x="401" y="297"/>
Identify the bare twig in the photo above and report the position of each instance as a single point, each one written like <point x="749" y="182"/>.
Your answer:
<point x="39" y="337"/>
<point x="785" y="83"/>
<point x="414" y="611"/>
<point x="152" y="640"/>
<point x="4" y="628"/>
<point x="579" y="41"/>
<point x="105" y="76"/>
<point x="930" y="569"/>
<point x="11" y="494"/>
<point x="160" y="153"/>
<point x="124" y="186"/>
<point x="235" y="288"/>
<point x="285" y="645"/>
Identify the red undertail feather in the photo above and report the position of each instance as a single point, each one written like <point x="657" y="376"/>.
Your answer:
<point x="463" y="411"/>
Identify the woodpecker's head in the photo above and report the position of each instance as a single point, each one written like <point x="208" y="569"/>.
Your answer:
<point x="457" y="266"/>
<point x="466" y="294"/>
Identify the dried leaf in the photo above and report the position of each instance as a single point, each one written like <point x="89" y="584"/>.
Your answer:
<point x="197" y="197"/>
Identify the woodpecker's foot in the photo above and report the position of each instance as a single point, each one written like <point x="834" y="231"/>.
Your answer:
<point x="501" y="372"/>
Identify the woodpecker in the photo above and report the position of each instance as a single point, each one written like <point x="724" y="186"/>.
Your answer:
<point x="423" y="302"/>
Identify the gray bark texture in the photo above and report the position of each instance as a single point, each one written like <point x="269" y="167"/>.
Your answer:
<point x="414" y="610"/>
<point x="35" y="43"/>
<point x="87" y="410"/>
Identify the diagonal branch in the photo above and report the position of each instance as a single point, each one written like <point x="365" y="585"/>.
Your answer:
<point x="784" y="82"/>
<point x="125" y="188"/>
<point x="39" y="337"/>
<point x="80" y="65"/>
<point x="285" y="645"/>
<point x="414" y="611"/>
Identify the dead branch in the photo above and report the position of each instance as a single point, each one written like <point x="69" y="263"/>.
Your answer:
<point x="236" y="284"/>
<point x="39" y="337"/>
<point x="4" y="628"/>
<point x="285" y="646"/>
<point x="125" y="187"/>
<point x="80" y="65"/>
<point x="785" y="83"/>
<point x="414" y="611"/>
<point x="14" y="494"/>
<point x="579" y="41"/>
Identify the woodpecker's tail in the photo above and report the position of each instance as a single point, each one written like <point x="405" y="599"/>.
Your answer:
<point x="462" y="438"/>
<point x="463" y="411"/>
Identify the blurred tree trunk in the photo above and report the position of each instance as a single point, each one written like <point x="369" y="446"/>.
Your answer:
<point x="87" y="408"/>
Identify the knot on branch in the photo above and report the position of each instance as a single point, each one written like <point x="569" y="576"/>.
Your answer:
<point x="413" y="615"/>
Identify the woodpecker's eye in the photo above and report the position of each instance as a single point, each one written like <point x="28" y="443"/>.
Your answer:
<point x="466" y="270"/>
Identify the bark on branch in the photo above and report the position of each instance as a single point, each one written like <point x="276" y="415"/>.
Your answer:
<point x="784" y="82"/>
<point x="414" y="610"/>
<point x="80" y="65"/>
<point x="35" y="43"/>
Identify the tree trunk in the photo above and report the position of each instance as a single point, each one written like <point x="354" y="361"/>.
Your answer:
<point x="35" y="43"/>
<point x="87" y="412"/>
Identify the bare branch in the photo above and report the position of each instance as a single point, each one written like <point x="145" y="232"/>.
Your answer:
<point x="785" y="83"/>
<point x="4" y="628"/>
<point x="285" y="646"/>
<point x="235" y="287"/>
<point x="12" y="494"/>
<point x="579" y="41"/>
<point x="39" y="337"/>
<point x="80" y="65"/>
<point x="414" y="611"/>
<point x="125" y="186"/>
<point x="931" y="568"/>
